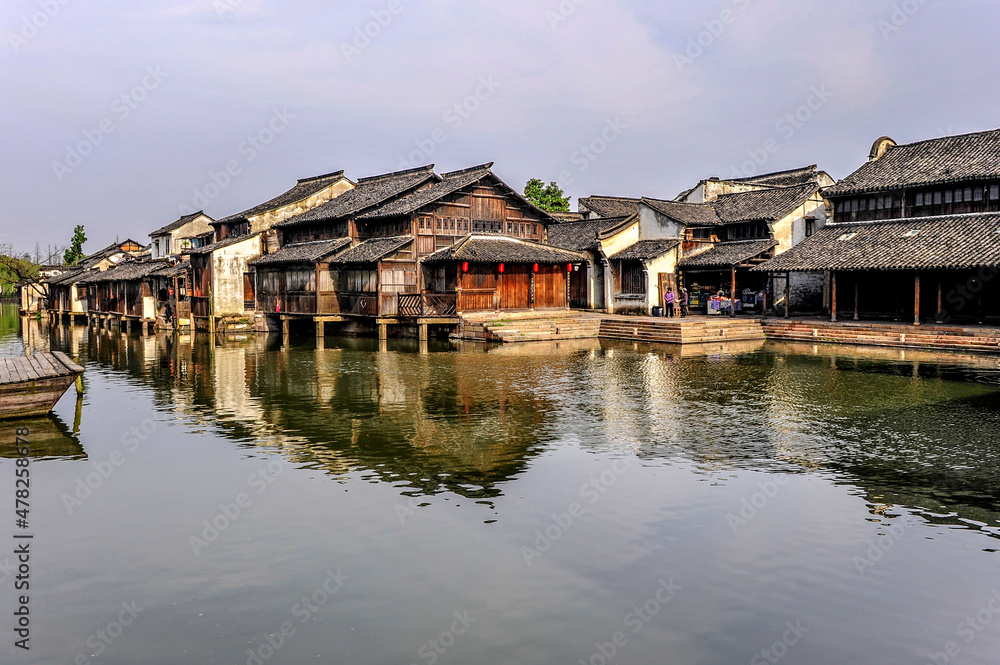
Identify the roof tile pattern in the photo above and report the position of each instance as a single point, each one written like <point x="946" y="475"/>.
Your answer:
<point x="173" y="226"/>
<point x="727" y="254"/>
<point x="582" y="235"/>
<point x="645" y="250"/>
<point x="610" y="206"/>
<point x="763" y="205"/>
<point x="304" y="252"/>
<point x="496" y="249"/>
<point x="302" y="190"/>
<point x="368" y="192"/>
<point x="956" y="241"/>
<point x="372" y="250"/>
<point x="450" y="183"/>
<point x="689" y="214"/>
<point x="936" y="161"/>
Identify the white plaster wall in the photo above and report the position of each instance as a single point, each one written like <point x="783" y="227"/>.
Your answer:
<point x="624" y="238"/>
<point x="666" y="263"/>
<point x="228" y="265"/>
<point x="655" y="226"/>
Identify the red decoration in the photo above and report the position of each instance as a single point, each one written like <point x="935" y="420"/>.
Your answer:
<point x="501" y="268"/>
<point x="535" y="267"/>
<point x="569" y="267"/>
<point x="465" y="266"/>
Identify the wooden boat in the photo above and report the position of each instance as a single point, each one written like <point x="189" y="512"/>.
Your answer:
<point x="31" y="385"/>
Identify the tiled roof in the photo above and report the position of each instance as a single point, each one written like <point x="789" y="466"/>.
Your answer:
<point x="173" y="270"/>
<point x="68" y="277"/>
<point x="727" y="254"/>
<point x="953" y="241"/>
<point x="790" y="178"/>
<point x="92" y="260"/>
<point x="494" y="249"/>
<point x="690" y="214"/>
<point x="646" y="249"/>
<point x="610" y="206"/>
<point x="936" y="161"/>
<point x="450" y="183"/>
<point x="208" y="249"/>
<point x="583" y="235"/>
<point x="303" y="252"/>
<point x="566" y="216"/>
<point x="125" y="272"/>
<point x="173" y="226"/>
<point x="372" y="250"/>
<point x="762" y="205"/>
<point x="368" y="192"/>
<point x="302" y="190"/>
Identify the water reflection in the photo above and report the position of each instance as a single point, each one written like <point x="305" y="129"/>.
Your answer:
<point x="49" y="437"/>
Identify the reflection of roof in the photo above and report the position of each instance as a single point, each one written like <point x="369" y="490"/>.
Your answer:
<point x="449" y="184"/>
<point x="762" y="205"/>
<point x="304" y="252"/>
<point x="936" y="161"/>
<point x="208" y="249"/>
<point x="610" y="206"/>
<point x="727" y="254"/>
<point x="690" y="214"/>
<point x="953" y="241"/>
<point x="302" y="190"/>
<point x="368" y="192"/>
<point x="173" y="226"/>
<point x="372" y="250"/>
<point x="645" y="250"/>
<point x="492" y="249"/>
<point x="583" y="235"/>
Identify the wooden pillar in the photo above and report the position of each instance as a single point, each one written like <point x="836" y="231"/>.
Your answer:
<point x="286" y="326"/>
<point x="833" y="296"/>
<point x="320" y="329"/>
<point x="732" y="294"/>
<point x="531" y="299"/>
<point x="939" y="315"/>
<point x="857" y="294"/>
<point x="916" y="297"/>
<point x="383" y="331"/>
<point x="422" y="332"/>
<point x="788" y="295"/>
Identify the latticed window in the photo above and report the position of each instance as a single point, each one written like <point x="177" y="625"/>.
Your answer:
<point x="632" y="279"/>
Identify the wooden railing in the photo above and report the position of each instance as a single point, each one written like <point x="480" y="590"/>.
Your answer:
<point x="428" y="304"/>
<point x="357" y="303"/>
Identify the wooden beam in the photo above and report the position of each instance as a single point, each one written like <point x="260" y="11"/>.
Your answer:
<point x="857" y="283"/>
<point x="833" y="296"/>
<point x="916" y="297"/>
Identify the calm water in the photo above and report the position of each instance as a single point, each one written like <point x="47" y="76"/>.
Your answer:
<point x="542" y="504"/>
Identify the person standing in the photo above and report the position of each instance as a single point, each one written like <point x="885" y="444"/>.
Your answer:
<point x="668" y="301"/>
<point x="684" y="301"/>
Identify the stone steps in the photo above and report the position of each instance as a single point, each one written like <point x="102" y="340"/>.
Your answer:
<point x="950" y="338"/>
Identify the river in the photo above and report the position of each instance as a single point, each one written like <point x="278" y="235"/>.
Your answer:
<point x="595" y="502"/>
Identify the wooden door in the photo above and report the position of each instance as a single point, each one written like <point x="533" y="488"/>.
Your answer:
<point x="550" y="287"/>
<point x="667" y="280"/>
<point x="515" y="287"/>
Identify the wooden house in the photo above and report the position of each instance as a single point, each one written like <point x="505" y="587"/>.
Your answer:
<point x="914" y="234"/>
<point x="68" y="300"/>
<point x="594" y="285"/>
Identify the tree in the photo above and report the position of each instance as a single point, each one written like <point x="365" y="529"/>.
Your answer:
<point x="73" y="255"/>
<point x="546" y="197"/>
<point x="14" y="270"/>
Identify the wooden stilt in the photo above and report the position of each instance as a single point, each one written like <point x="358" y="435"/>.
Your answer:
<point x="833" y="296"/>
<point x="916" y="298"/>
<point x="422" y="332"/>
<point x="788" y="295"/>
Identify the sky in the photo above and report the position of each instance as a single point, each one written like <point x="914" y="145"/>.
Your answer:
<point x="122" y="116"/>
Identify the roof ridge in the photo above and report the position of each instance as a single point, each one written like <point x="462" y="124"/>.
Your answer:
<point x="392" y="174"/>
<point x="320" y="177"/>
<point x="488" y="166"/>
<point x="617" y="198"/>
<point x="770" y="188"/>
<point x="680" y="203"/>
<point x="945" y="138"/>
<point x="811" y="167"/>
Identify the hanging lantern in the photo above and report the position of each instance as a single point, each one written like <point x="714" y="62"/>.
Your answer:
<point x="569" y="267"/>
<point x="534" y="268"/>
<point x="465" y="266"/>
<point x="500" y="268"/>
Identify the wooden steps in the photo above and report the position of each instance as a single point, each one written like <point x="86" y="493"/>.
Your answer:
<point x="885" y="334"/>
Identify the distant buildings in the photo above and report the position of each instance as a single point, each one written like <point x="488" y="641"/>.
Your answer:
<point x="912" y="233"/>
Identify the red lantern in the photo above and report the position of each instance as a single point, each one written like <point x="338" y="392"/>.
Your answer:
<point x="535" y="267"/>
<point x="569" y="267"/>
<point x="500" y="268"/>
<point x="465" y="266"/>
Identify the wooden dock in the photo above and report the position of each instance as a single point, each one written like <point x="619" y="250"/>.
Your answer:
<point x="31" y="385"/>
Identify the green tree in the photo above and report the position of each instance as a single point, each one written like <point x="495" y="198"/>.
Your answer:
<point x="73" y="255"/>
<point x="15" y="271"/>
<point x="547" y="197"/>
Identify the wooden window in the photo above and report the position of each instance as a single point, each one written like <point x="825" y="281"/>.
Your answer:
<point x="937" y="198"/>
<point x="811" y="225"/>
<point x="632" y="280"/>
<point x="995" y="192"/>
<point x="920" y="199"/>
<point x="949" y="196"/>
<point x="977" y="194"/>
<point x="968" y="194"/>
<point x="854" y="205"/>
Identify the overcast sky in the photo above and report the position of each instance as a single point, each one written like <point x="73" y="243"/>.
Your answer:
<point x="122" y="115"/>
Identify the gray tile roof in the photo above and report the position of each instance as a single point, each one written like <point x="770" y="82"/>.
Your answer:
<point x="954" y="241"/>
<point x="610" y="206"/>
<point x="790" y="178"/>
<point x="689" y="214"/>
<point x="936" y="161"/>
<point x="450" y="183"/>
<point x="372" y="250"/>
<point x="303" y="252"/>
<point x="368" y="193"/>
<point x="92" y="260"/>
<point x="727" y="254"/>
<point x="173" y="226"/>
<point x="302" y="190"/>
<point x="503" y="249"/>
<point x="208" y="249"/>
<point x="762" y="205"/>
<point x="582" y="235"/>
<point x="125" y="272"/>
<point x="645" y="250"/>
<point x="173" y="271"/>
<point x="68" y="277"/>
